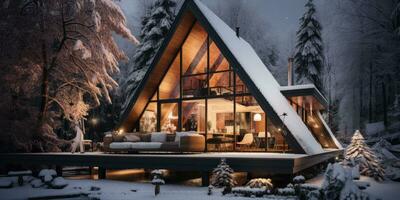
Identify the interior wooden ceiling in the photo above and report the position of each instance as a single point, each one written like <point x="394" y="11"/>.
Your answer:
<point x="309" y="101"/>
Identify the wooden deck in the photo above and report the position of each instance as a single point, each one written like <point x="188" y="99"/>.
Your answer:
<point x="276" y="163"/>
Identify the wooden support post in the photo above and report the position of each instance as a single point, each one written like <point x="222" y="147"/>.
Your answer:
<point x="249" y="176"/>
<point x="59" y="170"/>
<point x="102" y="173"/>
<point x="205" y="179"/>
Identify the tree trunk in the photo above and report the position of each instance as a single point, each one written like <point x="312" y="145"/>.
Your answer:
<point x="370" y="94"/>
<point x="377" y="111"/>
<point x="361" y="114"/>
<point x="156" y="190"/>
<point x="44" y="92"/>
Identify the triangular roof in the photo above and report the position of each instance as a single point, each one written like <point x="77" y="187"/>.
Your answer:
<point x="247" y="64"/>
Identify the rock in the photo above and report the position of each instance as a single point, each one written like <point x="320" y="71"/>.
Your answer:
<point x="59" y="183"/>
<point x="94" y="188"/>
<point x="37" y="183"/>
<point x="47" y="175"/>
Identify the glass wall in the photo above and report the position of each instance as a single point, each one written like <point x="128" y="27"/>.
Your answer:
<point x="250" y="119"/>
<point x="148" y="121"/>
<point x="276" y="135"/>
<point x="221" y="83"/>
<point x="169" y="117"/>
<point x="194" y="86"/>
<point x="201" y="92"/>
<point x="170" y="85"/>
<point x="311" y="118"/>
<point x="194" y="116"/>
<point x="220" y="123"/>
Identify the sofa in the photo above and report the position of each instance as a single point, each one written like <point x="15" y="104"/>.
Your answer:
<point x="158" y="141"/>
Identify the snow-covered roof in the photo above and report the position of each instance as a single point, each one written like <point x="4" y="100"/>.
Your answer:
<point x="298" y="87"/>
<point x="305" y="89"/>
<point x="263" y="80"/>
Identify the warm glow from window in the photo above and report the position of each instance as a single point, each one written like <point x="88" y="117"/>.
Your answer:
<point x="257" y="117"/>
<point x="171" y="116"/>
<point x="94" y="121"/>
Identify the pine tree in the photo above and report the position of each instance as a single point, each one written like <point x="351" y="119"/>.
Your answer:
<point x="365" y="157"/>
<point x="334" y="116"/>
<point x="338" y="184"/>
<point x="309" y="52"/>
<point x="222" y="177"/>
<point x="155" y="26"/>
<point x="396" y="19"/>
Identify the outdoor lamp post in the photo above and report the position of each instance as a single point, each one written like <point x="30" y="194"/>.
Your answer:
<point x="284" y="133"/>
<point x="93" y="121"/>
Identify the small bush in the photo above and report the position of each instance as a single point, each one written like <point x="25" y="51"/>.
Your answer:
<point x="260" y="183"/>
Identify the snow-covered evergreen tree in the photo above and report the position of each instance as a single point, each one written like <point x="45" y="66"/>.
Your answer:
<point x="222" y="177"/>
<point x="338" y="184"/>
<point x="365" y="157"/>
<point x="155" y="26"/>
<point x="309" y="57"/>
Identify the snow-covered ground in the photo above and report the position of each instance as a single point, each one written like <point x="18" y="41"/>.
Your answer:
<point x="109" y="189"/>
<point x="121" y="190"/>
<point x="386" y="190"/>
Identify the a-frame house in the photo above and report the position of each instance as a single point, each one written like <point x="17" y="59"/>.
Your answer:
<point x="206" y="78"/>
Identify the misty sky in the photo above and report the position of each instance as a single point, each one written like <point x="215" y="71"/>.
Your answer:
<point x="282" y="15"/>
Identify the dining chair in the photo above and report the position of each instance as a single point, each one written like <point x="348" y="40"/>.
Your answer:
<point x="260" y="138"/>
<point x="247" y="140"/>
